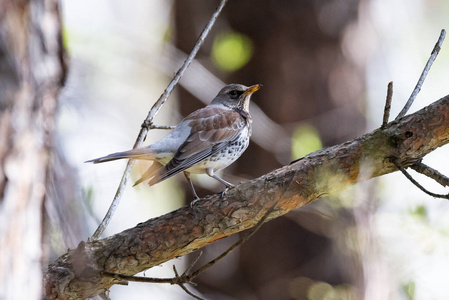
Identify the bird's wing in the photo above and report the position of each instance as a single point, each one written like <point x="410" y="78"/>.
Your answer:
<point x="213" y="128"/>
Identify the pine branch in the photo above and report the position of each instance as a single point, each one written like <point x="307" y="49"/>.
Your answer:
<point x="77" y="273"/>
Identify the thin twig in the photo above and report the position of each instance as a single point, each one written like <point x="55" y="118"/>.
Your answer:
<point x="137" y="278"/>
<point x="184" y="287"/>
<point x="149" y="120"/>
<point x="152" y="126"/>
<point x="430" y="172"/>
<point x="418" y="86"/>
<point x="396" y="162"/>
<point x="187" y="271"/>
<point x="387" y="105"/>
<point x="186" y="278"/>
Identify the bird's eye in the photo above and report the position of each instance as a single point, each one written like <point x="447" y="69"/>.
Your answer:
<point x="234" y="94"/>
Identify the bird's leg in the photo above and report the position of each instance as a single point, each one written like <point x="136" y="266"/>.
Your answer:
<point x="210" y="172"/>
<point x="187" y="175"/>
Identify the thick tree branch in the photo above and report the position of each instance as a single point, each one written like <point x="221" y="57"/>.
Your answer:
<point x="77" y="273"/>
<point x="188" y="276"/>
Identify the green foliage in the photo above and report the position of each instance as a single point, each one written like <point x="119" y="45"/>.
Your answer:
<point x="409" y="290"/>
<point x="420" y="212"/>
<point x="231" y="51"/>
<point x="305" y="140"/>
<point x="65" y="38"/>
<point x="88" y="197"/>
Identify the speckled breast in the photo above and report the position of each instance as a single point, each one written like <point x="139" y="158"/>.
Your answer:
<point x="226" y="156"/>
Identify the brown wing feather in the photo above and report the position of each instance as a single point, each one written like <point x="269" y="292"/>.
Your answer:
<point x="209" y="130"/>
<point x="212" y="129"/>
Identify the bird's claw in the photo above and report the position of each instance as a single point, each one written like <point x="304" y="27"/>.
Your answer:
<point x="194" y="201"/>
<point x="223" y="193"/>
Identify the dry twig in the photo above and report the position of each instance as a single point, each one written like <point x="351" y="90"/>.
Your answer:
<point x="387" y="105"/>
<point x="184" y="287"/>
<point x="148" y="122"/>
<point x="423" y="76"/>
<point x="431" y="173"/>
<point x="166" y="127"/>
<point x="419" y="167"/>
<point x="398" y="164"/>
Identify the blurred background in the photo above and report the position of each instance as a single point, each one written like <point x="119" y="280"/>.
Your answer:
<point x="325" y="66"/>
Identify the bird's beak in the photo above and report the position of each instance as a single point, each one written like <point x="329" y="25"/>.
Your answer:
<point x="252" y="89"/>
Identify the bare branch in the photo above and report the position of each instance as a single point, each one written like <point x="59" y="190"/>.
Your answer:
<point x="152" y="126"/>
<point x="398" y="164"/>
<point x="430" y="172"/>
<point x="387" y="105"/>
<point x="189" y="269"/>
<point x="423" y="76"/>
<point x="77" y="273"/>
<point x="183" y="286"/>
<point x="149" y="120"/>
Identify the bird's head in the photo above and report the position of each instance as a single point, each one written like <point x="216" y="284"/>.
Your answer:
<point x="235" y="96"/>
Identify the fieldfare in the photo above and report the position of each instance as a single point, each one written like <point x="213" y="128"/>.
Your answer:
<point x="207" y="140"/>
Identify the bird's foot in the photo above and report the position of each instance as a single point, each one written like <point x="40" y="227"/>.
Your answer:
<point x="223" y="193"/>
<point x="194" y="201"/>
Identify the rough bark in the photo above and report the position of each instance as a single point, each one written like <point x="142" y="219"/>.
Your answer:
<point x="76" y="273"/>
<point x="32" y="70"/>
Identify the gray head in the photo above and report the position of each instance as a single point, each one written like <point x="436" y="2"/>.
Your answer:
<point x="235" y="95"/>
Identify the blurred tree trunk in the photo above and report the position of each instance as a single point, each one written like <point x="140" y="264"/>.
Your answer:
<point x="299" y="58"/>
<point x="32" y="71"/>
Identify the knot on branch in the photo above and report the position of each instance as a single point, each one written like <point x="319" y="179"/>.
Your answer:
<point x="430" y="173"/>
<point x="146" y="124"/>
<point x="82" y="261"/>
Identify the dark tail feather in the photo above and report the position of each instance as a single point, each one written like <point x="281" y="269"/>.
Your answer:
<point x="153" y="170"/>
<point x="135" y="153"/>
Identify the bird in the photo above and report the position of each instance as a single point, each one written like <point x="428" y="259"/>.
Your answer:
<point x="207" y="140"/>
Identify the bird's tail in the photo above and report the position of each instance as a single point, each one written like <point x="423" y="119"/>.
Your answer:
<point x="152" y="171"/>
<point x="134" y="153"/>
